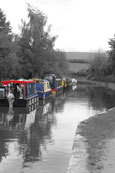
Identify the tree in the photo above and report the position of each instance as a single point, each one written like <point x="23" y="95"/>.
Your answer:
<point x="9" y="64"/>
<point x="30" y="53"/>
<point x="37" y="46"/>
<point x="5" y="45"/>
<point x="41" y="41"/>
<point x="5" y="35"/>
<point x="111" y="54"/>
<point x="98" y="64"/>
<point x="24" y="52"/>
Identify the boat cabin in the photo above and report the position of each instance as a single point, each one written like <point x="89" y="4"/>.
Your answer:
<point x="43" y="88"/>
<point x="55" y="84"/>
<point x="24" y="92"/>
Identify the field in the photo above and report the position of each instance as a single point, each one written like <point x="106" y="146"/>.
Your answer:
<point x="76" y="67"/>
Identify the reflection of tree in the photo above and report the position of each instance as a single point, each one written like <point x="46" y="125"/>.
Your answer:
<point x="79" y="92"/>
<point x="5" y="131"/>
<point x="33" y="140"/>
<point x="40" y="131"/>
<point x="101" y="98"/>
<point x="58" y="103"/>
<point x="39" y="134"/>
<point x="8" y="129"/>
<point x="4" y="134"/>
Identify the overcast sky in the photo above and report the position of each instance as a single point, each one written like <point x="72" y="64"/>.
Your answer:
<point x="81" y="25"/>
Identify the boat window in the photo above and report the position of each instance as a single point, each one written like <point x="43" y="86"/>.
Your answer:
<point x="47" y="85"/>
<point x="30" y="89"/>
<point x="44" y="86"/>
<point x="22" y="88"/>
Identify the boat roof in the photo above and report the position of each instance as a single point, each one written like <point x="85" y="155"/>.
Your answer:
<point x="40" y="80"/>
<point x="47" y="75"/>
<point x="59" y="79"/>
<point x="17" y="81"/>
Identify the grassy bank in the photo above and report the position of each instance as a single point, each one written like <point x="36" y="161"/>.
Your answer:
<point x="91" y="151"/>
<point x="97" y="131"/>
<point x="99" y="83"/>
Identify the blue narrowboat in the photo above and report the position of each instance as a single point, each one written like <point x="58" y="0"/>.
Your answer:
<point x="55" y="83"/>
<point x="43" y="88"/>
<point x="23" y="91"/>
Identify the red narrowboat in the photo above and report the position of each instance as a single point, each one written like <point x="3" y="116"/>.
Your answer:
<point x="23" y="91"/>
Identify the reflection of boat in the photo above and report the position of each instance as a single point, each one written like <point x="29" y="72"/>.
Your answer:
<point x="16" y="118"/>
<point x="6" y="117"/>
<point x="29" y="132"/>
<point x="70" y="82"/>
<point x="30" y="118"/>
<point x="18" y="110"/>
<point x="10" y="114"/>
<point x="24" y="92"/>
<point x="46" y="108"/>
<point x="54" y="104"/>
<point x="74" y="87"/>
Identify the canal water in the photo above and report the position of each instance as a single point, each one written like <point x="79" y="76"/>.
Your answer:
<point x="41" y="139"/>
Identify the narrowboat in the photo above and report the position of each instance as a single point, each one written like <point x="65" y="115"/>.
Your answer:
<point x="74" y="81"/>
<point x="23" y="91"/>
<point x="55" y="83"/>
<point x="64" y="83"/>
<point x="59" y="86"/>
<point x="43" y="88"/>
<point x="70" y="82"/>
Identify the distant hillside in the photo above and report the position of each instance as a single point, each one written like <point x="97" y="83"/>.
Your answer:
<point x="77" y="67"/>
<point x="79" y="55"/>
<point x="79" y="60"/>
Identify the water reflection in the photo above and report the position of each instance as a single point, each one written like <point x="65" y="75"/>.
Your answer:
<point x="30" y="130"/>
<point x="44" y="133"/>
<point x="98" y="98"/>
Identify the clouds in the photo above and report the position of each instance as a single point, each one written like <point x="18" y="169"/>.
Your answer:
<point x="14" y="11"/>
<point x="81" y="25"/>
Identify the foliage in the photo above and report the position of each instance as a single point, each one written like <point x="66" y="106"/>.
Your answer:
<point x="98" y="66"/>
<point x="8" y="60"/>
<point x="32" y="52"/>
<point x="37" y="47"/>
<point x="111" y="54"/>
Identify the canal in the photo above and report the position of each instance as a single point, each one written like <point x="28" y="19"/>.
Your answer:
<point x="41" y="139"/>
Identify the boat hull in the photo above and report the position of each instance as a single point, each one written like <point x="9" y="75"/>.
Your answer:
<point x="20" y="102"/>
<point x="58" y="90"/>
<point x="44" y="95"/>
